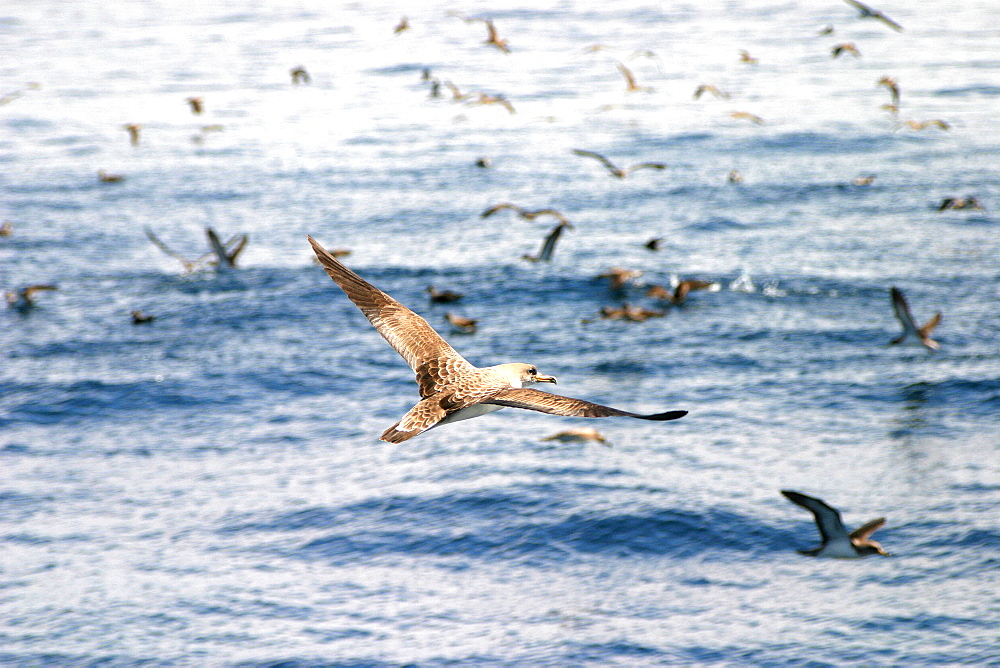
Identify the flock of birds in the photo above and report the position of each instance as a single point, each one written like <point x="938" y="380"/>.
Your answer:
<point x="451" y="389"/>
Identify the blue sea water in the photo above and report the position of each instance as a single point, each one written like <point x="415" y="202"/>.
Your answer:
<point x="208" y="488"/>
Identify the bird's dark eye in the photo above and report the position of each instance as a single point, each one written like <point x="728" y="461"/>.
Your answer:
<point x="533" y="371"/>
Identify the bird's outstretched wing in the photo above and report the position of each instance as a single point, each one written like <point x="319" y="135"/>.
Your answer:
<point x="241" y="243"/>
<point x="828" y="521"/>
<point x="646" y="165"/>
<point x="863" y="532"/>
<point x="555" y="404"/>
<point x="902" y="310"/>
<point x="929" y="326"/>
<point x="429" y="355"/>
<point x="549" y="245"/>
<point x="500" y="207"/>
<point x="597" y="156"/>
<point x="188" y="264"/>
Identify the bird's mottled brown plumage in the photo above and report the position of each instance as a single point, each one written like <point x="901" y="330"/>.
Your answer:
<point x="450" y="387"/>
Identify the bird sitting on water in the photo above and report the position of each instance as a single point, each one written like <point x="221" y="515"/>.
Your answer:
<point x="6" y="229"/>
<point x="451" y="388"/>
<point x="680" y="293"/>
<point x="969" y="202"/>
<point x="912" y="335"/>
<point x="197" y="105"/>
<point x="24" y="299"/>
<point x="461" y="324"/>
<point x="836" y="542"/>
<point x="443" y="296"/>
<point x="140" y="318"/>
<point x="578" y="435"/>
<point x="846" y="47"/>
<point x="299" y="75"/>
<point x="630" y="313"/>
<point x="618" y="277"/>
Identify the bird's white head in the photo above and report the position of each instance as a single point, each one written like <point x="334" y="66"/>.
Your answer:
<point x="522" y="375"/>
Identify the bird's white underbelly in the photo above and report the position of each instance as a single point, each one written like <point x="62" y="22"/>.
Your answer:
<point x="470" y="412"/>
<point x="840" y="549"/>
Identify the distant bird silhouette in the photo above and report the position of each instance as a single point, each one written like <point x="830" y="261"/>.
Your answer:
<point x="734" y="176"/>
<point x="492" y="38"/>
<point x="826" y="30"/>
<point x="549" y="244"/>
<point x="24" y="299"/>
<point x="846" y="47"/>
<point x="225" y="254"/>
<point x="615" y="170"/>
<point x="745" y="57"/>
<point x="618" y="278"/>
<point x="189" y="265"/>
<point x="923" y="125"/>
<point x="709" y="88"/>
<point x="403" y="25"/>
<point x="836" y="542"/>
<point x="631" y="86"/>
<point x="484" y="162"/>
<point x="968" y="202"/>
<point x="578" y="435"/>
<point x="461" y="324"/>
<point x="680" y="293"/>
<point x="299" y="75"/>
<point x="197" y="106"/>
<point x="443" y="296"/>
<point x="485" y="98"/>
<point x="6" y="229"/>
<point x="744" y="115"/>
<point x="133" y="132"/>
<point x="654" y="244"/>
<point x="867" y="12"/>
<point x="104" y="177"/>
<point x="524" y="213"/>
<point x="630" y="313"/>
<point x="863" y="180"/>
<point x="140" y="318"/>
<point x="456" y="93"/>
<point x="912" y="335"/>
<point x="893" y="87"/>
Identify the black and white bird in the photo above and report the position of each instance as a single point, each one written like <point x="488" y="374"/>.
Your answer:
<point x="836" y="542"/>
<point x="912" y="335"/>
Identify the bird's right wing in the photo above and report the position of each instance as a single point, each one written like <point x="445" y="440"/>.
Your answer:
<point x="555" y="404"/>
<point x="411" y="336"/>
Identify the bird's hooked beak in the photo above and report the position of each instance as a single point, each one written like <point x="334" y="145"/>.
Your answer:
<point x="539" y="378"/>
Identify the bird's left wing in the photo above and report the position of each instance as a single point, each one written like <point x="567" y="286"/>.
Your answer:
<point x="555" y="404"/>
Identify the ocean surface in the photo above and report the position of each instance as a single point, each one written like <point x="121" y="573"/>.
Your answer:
<point x="209" y="488"/>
